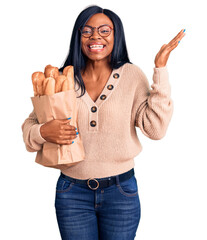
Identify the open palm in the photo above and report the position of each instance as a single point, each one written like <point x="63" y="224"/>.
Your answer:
<point x="163" y="55"/>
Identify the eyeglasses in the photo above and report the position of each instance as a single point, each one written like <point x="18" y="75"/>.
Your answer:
<point x="103" y="30"/>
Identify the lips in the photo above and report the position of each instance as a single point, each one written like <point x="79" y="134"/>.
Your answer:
<point x="96" y="48"/>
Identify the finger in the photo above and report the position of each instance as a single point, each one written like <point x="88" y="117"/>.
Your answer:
<point x="177" y="36"/>
<point x="69" y="132"/>
<point x="67" y="136"/>
<point x="182" y="36"/>
<point x="173" y="46"/>
<point x="163" y="47"/>
<point x="65" y="122"/>
<point x="67" y="127"/>
<point x="65" y="142"/>
<point x="174" y="43"/>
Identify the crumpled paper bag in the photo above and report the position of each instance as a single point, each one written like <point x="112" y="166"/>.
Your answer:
<point x="60" y="105"/>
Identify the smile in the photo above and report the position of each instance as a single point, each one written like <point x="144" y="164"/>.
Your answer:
<point x="96" y="48"/>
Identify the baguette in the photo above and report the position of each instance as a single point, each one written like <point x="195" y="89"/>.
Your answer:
<point x="66" y="69"/>
<point x="69" y="73"/>
<point x="51" y="71"/>
<point x="34" y="83"/>
<point x="37" y="80"/>
<point x="49" y="86"/>
<point x="59" y="82"/>
<point x="65" y="86"/>
<point x="51" y="81"/>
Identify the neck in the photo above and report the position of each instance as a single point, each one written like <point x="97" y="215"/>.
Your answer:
<point x="96" y="70"/>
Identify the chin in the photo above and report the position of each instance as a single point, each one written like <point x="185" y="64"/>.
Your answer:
<point x="97" y="58"/>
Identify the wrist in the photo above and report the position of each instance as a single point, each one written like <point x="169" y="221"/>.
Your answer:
<point x="42" y="132"/>
<point x="159" y="66"/>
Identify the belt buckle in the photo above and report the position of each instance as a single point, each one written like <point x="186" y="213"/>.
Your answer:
<point x="88" y="182"/>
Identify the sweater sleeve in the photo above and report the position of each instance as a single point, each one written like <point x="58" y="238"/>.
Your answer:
<point x="155" y="110"/>
<point x="31" y="133"/>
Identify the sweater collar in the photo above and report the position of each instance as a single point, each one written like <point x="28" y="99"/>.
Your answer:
<point x="107" y="91"/>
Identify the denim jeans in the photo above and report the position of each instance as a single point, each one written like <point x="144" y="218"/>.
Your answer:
<point x="110" y="213"/>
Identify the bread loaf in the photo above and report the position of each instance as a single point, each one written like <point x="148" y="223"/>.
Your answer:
<point x="37" y="80"/>
<point x="34" y="82"/>
<point x="51" y="81"/>
<point x="49" y="86"/>
<point x="69" y="73"/>
<point x="51" y="71"/>
<point x="59" y="82"/>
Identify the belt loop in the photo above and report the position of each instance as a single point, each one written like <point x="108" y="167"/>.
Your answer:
<point x="117" y="180"/>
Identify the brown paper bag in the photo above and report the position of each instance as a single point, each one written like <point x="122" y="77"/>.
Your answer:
<point x="60" y="105"/>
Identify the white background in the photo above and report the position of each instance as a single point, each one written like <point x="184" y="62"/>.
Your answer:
<point x="171" y="172"/>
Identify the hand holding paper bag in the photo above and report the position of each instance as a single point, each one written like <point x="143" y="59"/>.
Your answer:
<point x="54" y="102"/>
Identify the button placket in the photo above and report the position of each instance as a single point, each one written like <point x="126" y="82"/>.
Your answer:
<point x="94" y="107"/>
<point x="103" y="97"/>
<point x="93" y="120"/>
<point x="110" y="87"/>
<point x="105" y="94"/>
<point x="116" y="75"/>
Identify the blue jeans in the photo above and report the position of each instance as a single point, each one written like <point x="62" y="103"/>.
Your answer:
<point x="110" y="213"/>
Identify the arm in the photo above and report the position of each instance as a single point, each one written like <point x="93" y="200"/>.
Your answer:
<point x="155" y="110"/>
<point x="31" y="133"/>
<point x="55" y="131"/>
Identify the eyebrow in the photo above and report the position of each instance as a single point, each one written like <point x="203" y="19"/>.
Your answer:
<point x="98" y="26"/>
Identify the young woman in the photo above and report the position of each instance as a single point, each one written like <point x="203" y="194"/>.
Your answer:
<point x="98" y="197"/>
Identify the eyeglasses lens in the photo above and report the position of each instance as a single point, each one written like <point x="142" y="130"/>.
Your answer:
<point x="104" y="31"/>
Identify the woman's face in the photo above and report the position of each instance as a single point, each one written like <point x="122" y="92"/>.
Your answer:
<point x="98" y="54"/>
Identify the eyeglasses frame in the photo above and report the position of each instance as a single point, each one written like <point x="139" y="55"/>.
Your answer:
<point x="97" y="30"/>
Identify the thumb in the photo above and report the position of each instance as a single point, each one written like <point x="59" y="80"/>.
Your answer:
<point x="163" y="46"/>
<point x="65" y="121"/>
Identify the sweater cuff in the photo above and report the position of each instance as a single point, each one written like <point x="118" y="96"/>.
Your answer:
<point x="37" y="135"/>
<point x="161" y="76"/>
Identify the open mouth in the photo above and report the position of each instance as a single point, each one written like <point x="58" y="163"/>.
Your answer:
<point x="96" y="47"/>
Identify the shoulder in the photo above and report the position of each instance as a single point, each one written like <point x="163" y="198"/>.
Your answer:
<point x="132" y="68"/>
<point x="133" y="71"/>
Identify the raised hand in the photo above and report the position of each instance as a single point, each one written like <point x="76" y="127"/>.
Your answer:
<point x="163" y="55"/>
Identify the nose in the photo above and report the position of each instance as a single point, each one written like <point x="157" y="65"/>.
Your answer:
<point x="95" y="34"/>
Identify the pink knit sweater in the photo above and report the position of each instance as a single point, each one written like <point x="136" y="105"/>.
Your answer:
<point x="107" y="126"/>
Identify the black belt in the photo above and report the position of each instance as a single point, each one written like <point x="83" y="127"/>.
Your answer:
<point x="94" y="183"/>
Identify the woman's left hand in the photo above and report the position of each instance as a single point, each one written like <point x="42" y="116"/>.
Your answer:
<point x="163" y="55"/>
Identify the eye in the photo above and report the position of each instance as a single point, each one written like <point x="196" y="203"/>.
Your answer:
<point x="104" y="30"/>
<point x="86" y="30"/>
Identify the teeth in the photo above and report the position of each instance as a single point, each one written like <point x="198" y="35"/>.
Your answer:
<point x="96" y="46"/>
